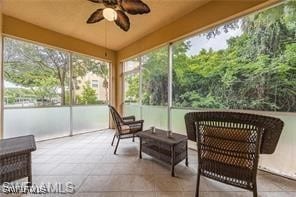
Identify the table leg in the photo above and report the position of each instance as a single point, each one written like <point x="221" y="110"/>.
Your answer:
<point x="140" y="153"/>
<point x="173" y="160"/>
<point x="29" y="170"/>
<point x="186" y="161"/>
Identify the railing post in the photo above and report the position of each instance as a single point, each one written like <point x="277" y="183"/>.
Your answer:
<point x="170" y="86"/>
<point x="140" y="87"/>
<point x="71" y="92"/>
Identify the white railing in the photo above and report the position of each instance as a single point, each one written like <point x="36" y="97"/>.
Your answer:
<point x="52" y="122"/>
<point x="90" y="118"/>
<point x="282" y="162"/>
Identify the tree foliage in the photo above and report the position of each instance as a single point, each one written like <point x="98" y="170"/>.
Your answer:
<point x="44" y="72"/>
<point x="155" y="77"/>
<point x="256" y="71"/>
<point x="88" y="95"/>
<point x="83" y="65"/>
<point x="132" y="93"/>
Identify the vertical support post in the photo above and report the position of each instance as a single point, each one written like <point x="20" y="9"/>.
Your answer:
<point x="170" y="86"/>
<point x="111" y="89"/>
<point x="1" y="84"/>
<point x="123" y="88"/>
<point x="140" y="87"/>
<point x="110" y="83"/>
<point x="71" y="92"/>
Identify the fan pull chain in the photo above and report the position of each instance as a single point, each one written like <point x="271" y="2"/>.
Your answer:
<point x="106" y="38"/>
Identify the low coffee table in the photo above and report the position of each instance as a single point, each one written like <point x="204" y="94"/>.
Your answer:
<point x="171" y="150"/>
<point x="15" y="158"/>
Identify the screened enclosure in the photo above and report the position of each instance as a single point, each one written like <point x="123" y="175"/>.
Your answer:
<point x="246" y="65"/>
<point x="51" y="92"/>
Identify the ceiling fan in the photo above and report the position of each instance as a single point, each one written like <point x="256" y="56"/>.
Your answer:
<point x="115" y="11"/>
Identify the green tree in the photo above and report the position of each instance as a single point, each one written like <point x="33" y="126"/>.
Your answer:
<point x="88" y="95"/>
<point x="41" y="69"/>
<point x="256" y="71"/>
<point x="155" y="77"/>
<point x="46" y="71"/>
<point x="132" y="93"/>
<point x="83" y="65"/>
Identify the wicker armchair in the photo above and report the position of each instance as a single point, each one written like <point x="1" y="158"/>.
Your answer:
<point x="229" y="145"/>
<point x="126" y="127"/>
<point x="15" y="158"/>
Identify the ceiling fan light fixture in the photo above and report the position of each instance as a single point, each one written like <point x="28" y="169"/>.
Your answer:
<point x="116" y="11"/>
<point x="110" y="14"/>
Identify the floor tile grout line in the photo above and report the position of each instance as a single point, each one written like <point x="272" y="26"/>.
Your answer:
<point x="113" y="160"/>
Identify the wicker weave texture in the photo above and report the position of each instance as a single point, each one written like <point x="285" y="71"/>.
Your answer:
<point x="229" y="144"/>
<point x="126" y="127"/>
<point x="15" y="158"/>
<point x="14" y="167"/>
<point x="228" y="151"/>
<point x="272" y="126"/>
<point x="163" y="152"/>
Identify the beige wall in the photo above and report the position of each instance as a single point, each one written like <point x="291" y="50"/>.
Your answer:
<point x="22" y="29"/>
<point x="202" y="18"/>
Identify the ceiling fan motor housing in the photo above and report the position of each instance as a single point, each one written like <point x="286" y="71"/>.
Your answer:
<point x="115" y="11"/>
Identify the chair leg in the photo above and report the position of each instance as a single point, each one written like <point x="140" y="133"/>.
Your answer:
<point x="117" y="145"/>
<point x="133" y="137"/>
<point x="255" y="189"/>
<point x="197" y="184"/>
<point x="113" y="139"/>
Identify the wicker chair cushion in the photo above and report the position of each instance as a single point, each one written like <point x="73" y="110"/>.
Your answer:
<point x="125" y="129"/>
<point x="234" y="175"/>
<point x="230" y="146"/>
<point x="135" y="127"/>
<point x="229" y="160"/>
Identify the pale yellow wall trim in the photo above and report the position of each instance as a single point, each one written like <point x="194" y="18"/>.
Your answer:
<point x="28" y="31"/>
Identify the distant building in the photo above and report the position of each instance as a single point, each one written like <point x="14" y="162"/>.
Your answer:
<point x="96" y="82"/>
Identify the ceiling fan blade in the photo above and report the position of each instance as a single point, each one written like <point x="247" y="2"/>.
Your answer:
<point x="134" y="7"/>
<point x="97" y="16"/>
<point x="96" y="1"/>
<point x="110" y="3"/>
<point x="122" y="20"/>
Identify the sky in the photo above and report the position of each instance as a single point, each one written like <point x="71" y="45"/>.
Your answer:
<point x="200" y="42"/>
<point x="8" y="84"/>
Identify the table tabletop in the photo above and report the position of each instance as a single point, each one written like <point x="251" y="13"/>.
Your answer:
<point x="161" y="135"/>
<point x="17" y="145"/>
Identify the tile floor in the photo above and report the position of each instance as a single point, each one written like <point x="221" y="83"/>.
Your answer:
<point x="88" y="162"/>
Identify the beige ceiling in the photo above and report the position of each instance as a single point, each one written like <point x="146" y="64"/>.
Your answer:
<point x="68" y="17"/>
